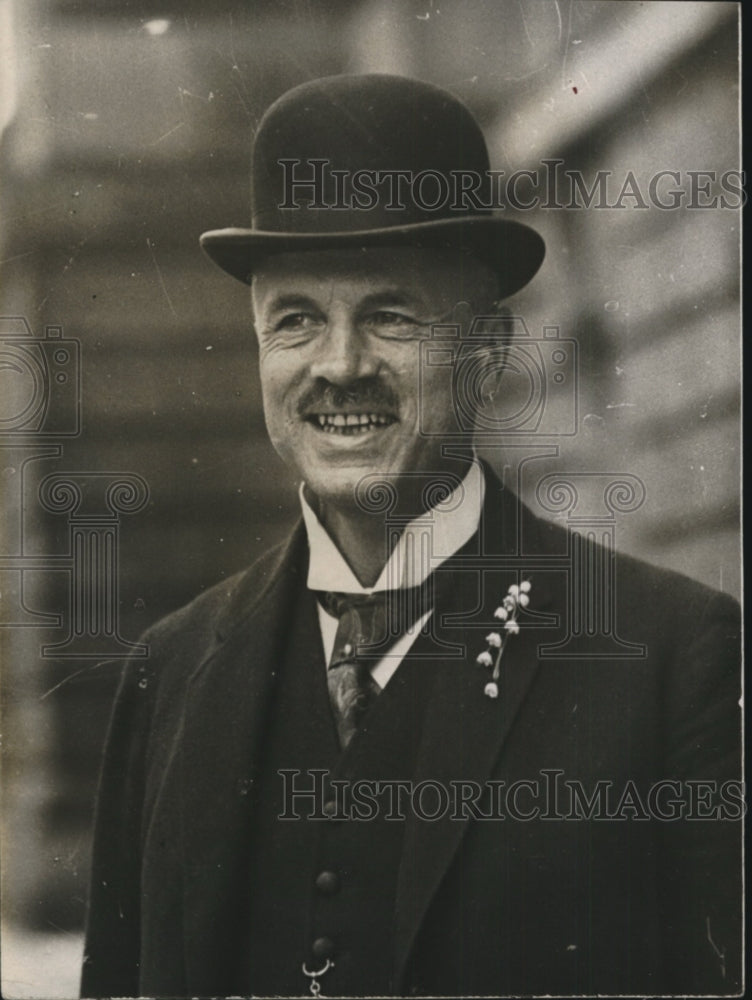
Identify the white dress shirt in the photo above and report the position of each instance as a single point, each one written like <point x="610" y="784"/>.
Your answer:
<point x="426" y="542"/>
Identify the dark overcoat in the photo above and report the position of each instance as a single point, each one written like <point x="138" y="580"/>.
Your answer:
<point x="625" y="893"/>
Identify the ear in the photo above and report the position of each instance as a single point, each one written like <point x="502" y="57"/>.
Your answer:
<point x="462" y="315"/>
<point x="484" y="356"/>
<point x="491" y="359"/>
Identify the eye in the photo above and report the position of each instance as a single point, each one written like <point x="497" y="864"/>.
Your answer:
<point x="296" y="322"/>
<point x="388" y="317"/>
<point x="388" y="323"/>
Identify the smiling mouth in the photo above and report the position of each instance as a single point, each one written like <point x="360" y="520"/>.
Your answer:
<point x="350" y="423"/>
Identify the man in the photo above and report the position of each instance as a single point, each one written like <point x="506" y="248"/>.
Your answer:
<point x="330" y="773"/>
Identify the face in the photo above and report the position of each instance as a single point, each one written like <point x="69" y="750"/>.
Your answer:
<point x="340" y="358"/>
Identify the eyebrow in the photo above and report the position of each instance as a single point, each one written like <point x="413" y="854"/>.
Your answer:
<point x="391" y="297"/>
<point x="375" y="300"/>
<point x="290" y="300"/>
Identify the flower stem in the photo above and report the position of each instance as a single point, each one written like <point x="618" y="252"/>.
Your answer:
<point x="495" y="674"/>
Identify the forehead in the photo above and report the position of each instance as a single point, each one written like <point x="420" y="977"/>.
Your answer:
<point x="424" y="276"/>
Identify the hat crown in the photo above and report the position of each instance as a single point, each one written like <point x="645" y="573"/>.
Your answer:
<point x="348" y="162"/>
<point x="317" y="144"/>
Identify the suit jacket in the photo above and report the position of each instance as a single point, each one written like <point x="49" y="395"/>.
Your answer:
<point x="612" y="899"/>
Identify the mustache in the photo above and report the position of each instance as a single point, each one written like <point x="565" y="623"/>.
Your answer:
<point x="369" y="393"/>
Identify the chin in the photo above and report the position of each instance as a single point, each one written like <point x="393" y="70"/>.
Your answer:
<point x="365" y="490"/>
<point x="337" y="487"/>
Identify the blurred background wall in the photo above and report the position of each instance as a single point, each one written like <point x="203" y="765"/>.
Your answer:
<point x="127" y="128"/>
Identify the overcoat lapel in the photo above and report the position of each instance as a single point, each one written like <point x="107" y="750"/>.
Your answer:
<point x="228" y="699"/>
<point x="464" y="730"/>
<point x="221" y="742"/>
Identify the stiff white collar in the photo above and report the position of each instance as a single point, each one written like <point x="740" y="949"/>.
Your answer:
<point x="426" y="542"/>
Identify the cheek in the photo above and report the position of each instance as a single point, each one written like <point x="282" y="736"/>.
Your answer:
<point x="273" y="398"/>
<point x="416" y="382"/>
<point x="269" y="386"/>
<point x="434" y="394"/>
<point x="279" y="373"/>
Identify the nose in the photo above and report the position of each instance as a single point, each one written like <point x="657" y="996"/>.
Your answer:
<point x="344" y="353"/>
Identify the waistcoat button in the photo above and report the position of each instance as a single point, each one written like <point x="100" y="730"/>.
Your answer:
<point x="332" y="810"/>
<point x="327" y="882"/>
<point x="323" y="947"/>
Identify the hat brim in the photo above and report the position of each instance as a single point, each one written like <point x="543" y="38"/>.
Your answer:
<point x="513" y="250"/>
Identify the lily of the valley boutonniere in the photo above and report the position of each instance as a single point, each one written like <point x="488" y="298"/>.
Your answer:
<point x="518" y="596"/>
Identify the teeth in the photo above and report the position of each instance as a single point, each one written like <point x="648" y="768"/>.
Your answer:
<point x="355" y="423"/>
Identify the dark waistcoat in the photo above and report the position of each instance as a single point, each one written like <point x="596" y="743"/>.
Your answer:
<point x="322" y="881"/>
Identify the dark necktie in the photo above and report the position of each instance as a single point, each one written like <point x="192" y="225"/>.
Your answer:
<point x="368" y="625"/>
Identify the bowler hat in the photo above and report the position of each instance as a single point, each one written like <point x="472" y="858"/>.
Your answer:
<point x="373" y="160"/>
